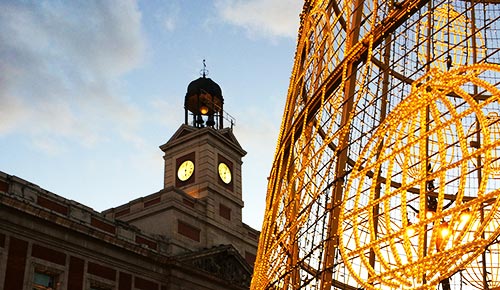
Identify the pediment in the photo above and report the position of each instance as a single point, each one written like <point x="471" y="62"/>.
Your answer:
<point x="181" y="132"/>
<point x="225" y="135"/>
<point x="223" y="262"/>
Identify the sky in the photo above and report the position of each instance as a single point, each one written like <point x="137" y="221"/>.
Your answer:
<point x="89" y="90"/>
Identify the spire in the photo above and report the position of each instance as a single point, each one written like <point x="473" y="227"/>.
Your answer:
<point x="204" y="71"/>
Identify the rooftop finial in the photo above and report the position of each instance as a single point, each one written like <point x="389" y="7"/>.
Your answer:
<point x="204" y="71"/>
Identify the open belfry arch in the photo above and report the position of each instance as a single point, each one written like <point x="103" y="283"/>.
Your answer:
<point x="386" y="172"/>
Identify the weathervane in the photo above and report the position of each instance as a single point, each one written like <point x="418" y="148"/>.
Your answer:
<point x="204" y="71"/>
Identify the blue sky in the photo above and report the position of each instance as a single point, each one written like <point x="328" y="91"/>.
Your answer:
<point x="90" y="89"/>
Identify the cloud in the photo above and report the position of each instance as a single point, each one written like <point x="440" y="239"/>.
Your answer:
<point x="171" y="17"/>
<point x="169" y="23"/>
<point x="269" y="18"/>
<point x="60" y="64"/>
<point x="160" y="105"/>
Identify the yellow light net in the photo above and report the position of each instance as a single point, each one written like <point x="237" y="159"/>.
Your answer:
<point x="387" y="170"/>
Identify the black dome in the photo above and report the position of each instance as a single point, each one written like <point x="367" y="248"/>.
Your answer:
<point x="203" y="92"/>
<point x="204" y="84"/>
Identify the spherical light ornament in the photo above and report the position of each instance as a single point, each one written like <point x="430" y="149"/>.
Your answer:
<point x="381" y="194"/>
<point x="450" y="43"/>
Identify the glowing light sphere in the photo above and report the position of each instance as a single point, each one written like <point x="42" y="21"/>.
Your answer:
<point x="383" y="193"/>
<point x="451" y="44"/>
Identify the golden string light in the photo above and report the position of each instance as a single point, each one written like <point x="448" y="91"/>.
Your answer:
<point x="493" y="124"/>
<point x="386" y="169"/>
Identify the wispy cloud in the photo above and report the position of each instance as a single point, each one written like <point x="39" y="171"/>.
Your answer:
<point x="60" y="63"/>
<point x="167" y="15"/>
<point x="160" y="105"/>
<point x="268" y="18"/>
<point x="169" y="23"/>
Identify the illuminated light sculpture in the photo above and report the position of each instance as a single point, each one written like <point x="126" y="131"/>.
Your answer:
<point x="451" y="43"/>
<point x="385" y="171"/>
<point x="376" y="224"/>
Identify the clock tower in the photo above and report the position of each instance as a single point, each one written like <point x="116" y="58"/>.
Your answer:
<point x="203" y="157"/>
<point x="200" y="205"/>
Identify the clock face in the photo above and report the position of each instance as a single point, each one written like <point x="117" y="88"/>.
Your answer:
<point x="225" y="173"/>
<point x="185" y="170"/>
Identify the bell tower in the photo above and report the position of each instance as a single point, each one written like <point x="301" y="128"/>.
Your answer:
<point x="204" y="102"/>
<point x="200" y="205"/>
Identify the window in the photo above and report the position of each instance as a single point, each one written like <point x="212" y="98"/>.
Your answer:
<point x="44" y="281"/>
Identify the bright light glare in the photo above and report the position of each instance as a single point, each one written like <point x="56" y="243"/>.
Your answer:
<point x="465" y="217"/>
